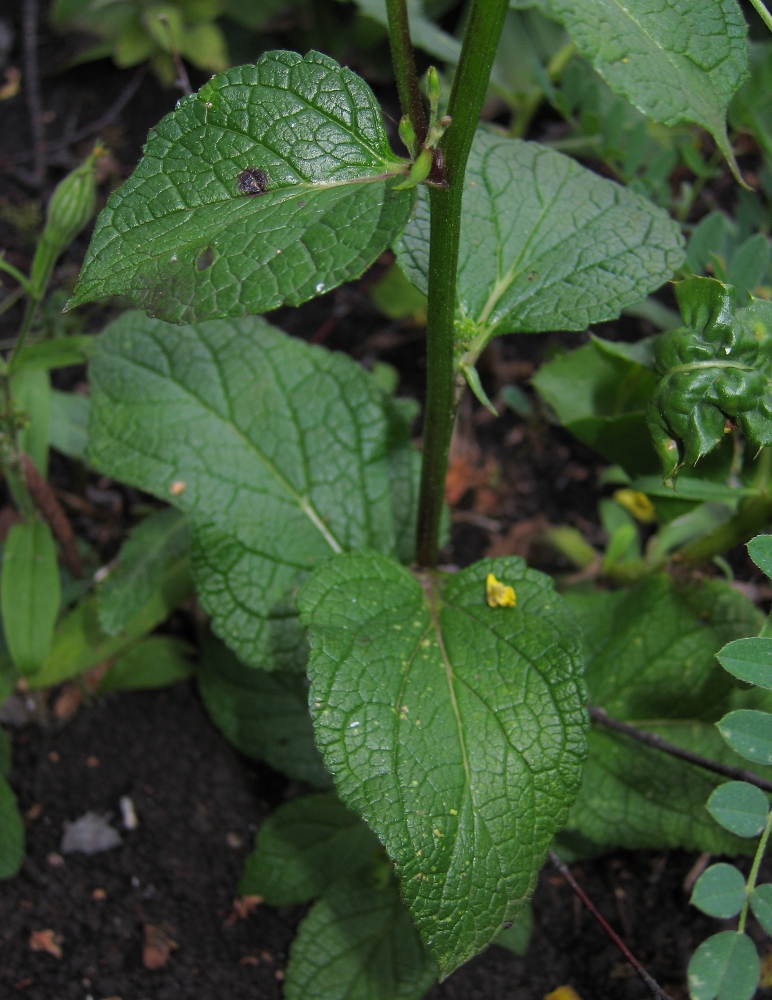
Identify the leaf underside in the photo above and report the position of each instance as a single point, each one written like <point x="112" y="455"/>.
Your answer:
<point x="276" y="451"/>
<point x="545" y="243"/>
<point x="182" y="240"/>
<point x="675" y="60"/>
<point x="457" y="731"/>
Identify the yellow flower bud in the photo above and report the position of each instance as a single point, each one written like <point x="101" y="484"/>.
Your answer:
<point x="637" y="504"/>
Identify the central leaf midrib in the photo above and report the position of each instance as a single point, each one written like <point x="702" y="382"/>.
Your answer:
<point x="301" y="502"/>
<point x="133" y="258"/>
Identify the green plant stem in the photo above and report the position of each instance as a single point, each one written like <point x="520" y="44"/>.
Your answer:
<point x="470" y="84"/>
<point x="13" y="361"/>
<point x="763" y="13"/>
<point x="529" y="107"/>
<point x="752" y="517"/>
<point x="15" y="273"/>
<point x="404" y="67"/>
<point x="750" y="885"/>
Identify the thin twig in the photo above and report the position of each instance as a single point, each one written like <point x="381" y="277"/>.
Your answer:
<point x="654" y="987"/>
<point x="103" y="121"/>
<point x="50" y="508"/>
<point x="182" y="80"/>
<point x="32" y="90"/>
<point x="601" y="718"/>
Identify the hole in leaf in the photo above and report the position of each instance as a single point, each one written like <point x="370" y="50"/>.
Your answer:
<point x="205" y="259"/>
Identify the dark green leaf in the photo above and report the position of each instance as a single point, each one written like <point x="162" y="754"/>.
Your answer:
<point x="275" y="450"/>
<point x="760" y="551"/>
<point x="725" y="967"/>
<point x="156" y="543"/>
<point x="59" y="352"/>
<point x="679" y="61"/>
<point x="601" y="398"/>
<point x="455" y="729"/>
<point x="650" y="649"/>
<point x="187" y="239"/>
<point x="740" y="808"/>
<point x="80" y="644"/>
<point x="517" y="937"/>
<point x="152" y="663"/>
<point x="545" y="243"/>
<point x="717" y="365"/>
<point x="761" y="904"/>
<point x="11" y="833"/>
<point x="68" y="431"/>
<point x="358" y="943"/>
<point x="29" y="594"/>
<point x="749" y="660"/>
<point x="749" y="733"/>
<point x="719" y="891"/>
<point x="265" y="715"/>
<point x="639" y="798"/>
<point x="305" y="846"/>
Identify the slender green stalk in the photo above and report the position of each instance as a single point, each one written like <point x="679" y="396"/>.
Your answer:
<point x="470" y="84"/>
<point x="404" y="67"/>
<point x="763" y="13"/>
<point x="15" y="273"/>
<point x="753" y="515"/>
<point x="750" y="885"/>
<point x="25" y="328"/>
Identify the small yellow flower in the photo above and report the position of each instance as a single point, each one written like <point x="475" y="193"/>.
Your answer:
<point x="637" y="504"/>
<point x="563" y="993"/>
<point x="499" y="594"/>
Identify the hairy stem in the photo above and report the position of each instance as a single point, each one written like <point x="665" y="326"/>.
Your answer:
<point x="470" y="84"/>
<point x="404" y="67"/>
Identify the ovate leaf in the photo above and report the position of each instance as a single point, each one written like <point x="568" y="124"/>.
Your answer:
<point x="719" y="891"/>
<point x="760" y="551"/>
<point x="749" y="733"/>
<point x="761" y="904"/>
<point x="11" y="833"/>
<point x="157" y="542"/>
<point x="274" y="450"/>
<point x="456" y="730"/>
<point x="749" y="660"/>
<point x="265" y="715"/>
<point x="155" y="662"/>
<point x="270" y="185"/>
<point x="725" y="967"/>
<point x="68" y="430"/>
<point x="545" y="243"/>
<point x="639" y="798"/>
<point x="358" y="943"/>
<point x="740" y="808"/>
<point x="29" y="594"/>
<point x="676" y="61"/>
<point x="650" y="649"/>
<point x="31" y="391"/>
<point x="305" y="846"/>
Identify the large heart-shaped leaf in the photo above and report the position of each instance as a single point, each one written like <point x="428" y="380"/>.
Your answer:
<point x="270" y="185"/>
<point x="545" y="243"/>
<point x="455" y="729"/>
<point x="275" y="450"/>
<point x="675" y="60"/>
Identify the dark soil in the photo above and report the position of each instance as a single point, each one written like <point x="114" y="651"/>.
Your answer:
<point x="198" y="805"/>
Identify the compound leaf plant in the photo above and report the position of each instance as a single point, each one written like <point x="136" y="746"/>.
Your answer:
<point x="441" y="715"/>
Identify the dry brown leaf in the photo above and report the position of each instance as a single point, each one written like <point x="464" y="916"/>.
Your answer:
<point x="157" y="946"/>
<point x="48" y="941"/>
<point x="68" y="702"/>
<point x="519" y="538"/>
<point x="12" y="83"/>
<point x="765" y="979"/>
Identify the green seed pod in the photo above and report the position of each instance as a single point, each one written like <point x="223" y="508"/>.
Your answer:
<point x="70" y="209"/>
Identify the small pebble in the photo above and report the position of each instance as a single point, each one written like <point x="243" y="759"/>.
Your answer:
<point x="128" y="813"/>
<point x="55" y="859"/>
<point x="90" y="834"/>
<point x="233" y="840"/>
<point x="54" y="757"/>
<point x="99" y="894"/>
<point x="92" y="761"/>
